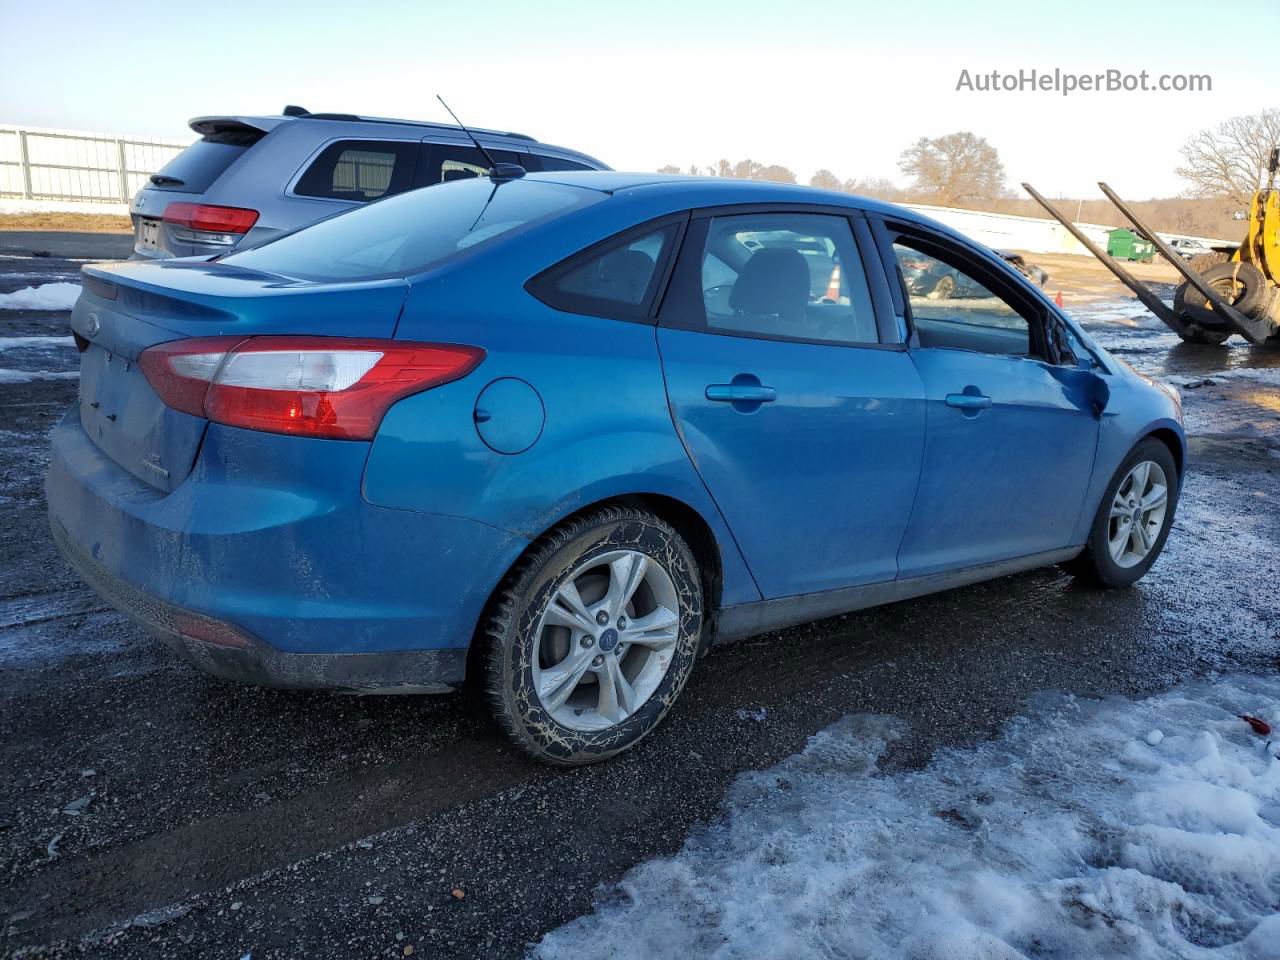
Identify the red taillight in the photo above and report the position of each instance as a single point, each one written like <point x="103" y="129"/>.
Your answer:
<point x="310" y="386"/>
<point x="205" y="216"/>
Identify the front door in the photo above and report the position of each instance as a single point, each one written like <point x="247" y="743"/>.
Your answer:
<point x="1011" y="434"/>
<point x="806" y="429"/>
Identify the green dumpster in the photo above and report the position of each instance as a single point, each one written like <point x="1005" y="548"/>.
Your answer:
<point x="1124" y="244"/>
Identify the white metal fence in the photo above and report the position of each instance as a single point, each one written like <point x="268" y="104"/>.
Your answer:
<point x="37" y="164"/>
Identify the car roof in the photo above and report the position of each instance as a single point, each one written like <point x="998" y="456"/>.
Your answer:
<point x="723" y="190"/>
<point x="222" y="122"/>
<point x="678" y="192"/>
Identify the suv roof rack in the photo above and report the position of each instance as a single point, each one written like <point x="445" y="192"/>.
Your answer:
<point x="292" y="110"/>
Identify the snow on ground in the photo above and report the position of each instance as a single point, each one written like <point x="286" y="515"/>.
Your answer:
<point x="47" y="296"/>
<point x="26" y="376"/>
<point x="1088" y="829"/>
<point x="14" y="343"/>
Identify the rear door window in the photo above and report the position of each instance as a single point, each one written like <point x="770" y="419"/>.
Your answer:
<point x="782" y="276"/>
<point x="360" y="170"/>
<point x="445" y="162"/>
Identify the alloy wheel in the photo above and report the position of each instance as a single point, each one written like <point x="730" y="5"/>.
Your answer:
<point x="606" y="640"/>
<point x="1137" y="513"/>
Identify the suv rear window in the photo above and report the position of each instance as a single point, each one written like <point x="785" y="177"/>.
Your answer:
<point x="360" y="170"/>
<point x="196" y="167"/>
<point x="407" y="233"/>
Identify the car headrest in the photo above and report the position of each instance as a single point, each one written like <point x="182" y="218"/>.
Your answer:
<point x="775" y="281"/>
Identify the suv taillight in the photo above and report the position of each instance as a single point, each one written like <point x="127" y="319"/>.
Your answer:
<point x="205" y="216"/>
<point x="331" y="387"/>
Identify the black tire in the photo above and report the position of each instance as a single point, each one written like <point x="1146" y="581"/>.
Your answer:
<point x="1241" y="284"/>
<point x="511" y="629"/>
<point x="1214" y="337"/>
<point x="1096" y="565"/>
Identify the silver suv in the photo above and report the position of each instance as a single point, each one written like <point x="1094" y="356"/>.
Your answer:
<point x="249" y="178"/>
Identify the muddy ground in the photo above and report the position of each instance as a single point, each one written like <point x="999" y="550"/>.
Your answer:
<point x="148" y="810"/>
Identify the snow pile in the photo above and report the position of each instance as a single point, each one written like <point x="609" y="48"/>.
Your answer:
<point x="47" y="296"/>
<point x="1089" y="829"/>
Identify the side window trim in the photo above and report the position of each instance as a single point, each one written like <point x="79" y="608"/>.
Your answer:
<point x="684" y="289"/>
<point x="881" y="291"/>
<point x="540" y="285"/>
<point x="1036" y="316"/>
<point x="291" y="189"/>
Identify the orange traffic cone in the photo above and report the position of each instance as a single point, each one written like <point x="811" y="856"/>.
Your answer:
<point x="833" y="288"/>
<point x="1057" y="298"/>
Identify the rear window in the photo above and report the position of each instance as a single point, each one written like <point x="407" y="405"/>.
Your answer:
<point x="407" y="233"/>
<point x="360" y="170"/>
<point x="206" y="160"/>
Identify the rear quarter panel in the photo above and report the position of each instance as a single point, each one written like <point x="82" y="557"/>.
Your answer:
<point x="606" y="432"/>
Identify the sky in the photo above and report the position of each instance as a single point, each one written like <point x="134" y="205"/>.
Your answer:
<point x="844" y="85"/>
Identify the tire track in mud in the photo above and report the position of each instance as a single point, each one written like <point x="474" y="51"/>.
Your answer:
<point x="98" y="890"/>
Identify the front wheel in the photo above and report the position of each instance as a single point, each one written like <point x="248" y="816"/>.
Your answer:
<point x="593" y="636"/>
<point x="1133" y="522"/>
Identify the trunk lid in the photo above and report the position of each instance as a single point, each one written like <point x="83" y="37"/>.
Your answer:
<point x="126" y="308"/>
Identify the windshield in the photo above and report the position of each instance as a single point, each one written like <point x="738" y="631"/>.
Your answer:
<point x="409" y="232"/>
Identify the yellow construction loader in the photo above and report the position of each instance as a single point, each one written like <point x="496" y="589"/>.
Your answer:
<point x="1240" y="294"/>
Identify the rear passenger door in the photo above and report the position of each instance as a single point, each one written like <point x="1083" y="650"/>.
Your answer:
<point x="801" y="413"/>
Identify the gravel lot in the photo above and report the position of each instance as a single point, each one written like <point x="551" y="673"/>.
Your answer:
<point x="148" y="810"/>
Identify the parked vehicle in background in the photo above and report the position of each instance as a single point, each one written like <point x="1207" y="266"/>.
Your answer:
<point x="1036" y="274"/>
<point x="249" y="178"/>
<point x="551" y="435"/>
<point x="1187" y="247"/>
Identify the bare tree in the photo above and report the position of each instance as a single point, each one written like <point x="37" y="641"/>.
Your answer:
<point x="1231" y="159"/>
<point x="776" y="173"/>
<point x="669" y="168"/>
<point x="877" y="187"/>
<point x="954" y="168"/>
<point x="825" y="179"/>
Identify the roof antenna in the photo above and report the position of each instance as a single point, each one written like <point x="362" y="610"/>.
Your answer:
<point x="497" y="171"/>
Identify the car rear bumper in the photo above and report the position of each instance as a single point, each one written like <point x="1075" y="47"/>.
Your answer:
<point x="266" y="565"/>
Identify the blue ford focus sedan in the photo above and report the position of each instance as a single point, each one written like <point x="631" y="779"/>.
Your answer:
<point x="551" y="435"/>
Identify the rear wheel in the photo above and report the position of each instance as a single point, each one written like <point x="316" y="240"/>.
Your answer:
<point x="1133" y="521"/>
<point x="593" y="636"/>
<point x="944" y="289"/>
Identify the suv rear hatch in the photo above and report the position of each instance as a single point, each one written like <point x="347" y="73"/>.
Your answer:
<point x="126" y="308"/>
<point x="168" y="218"/>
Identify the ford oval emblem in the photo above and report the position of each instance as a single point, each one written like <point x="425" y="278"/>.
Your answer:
<point x="92" y="325"/>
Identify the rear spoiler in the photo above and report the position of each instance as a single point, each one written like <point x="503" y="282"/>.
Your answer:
<point x="253" y="127"/>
